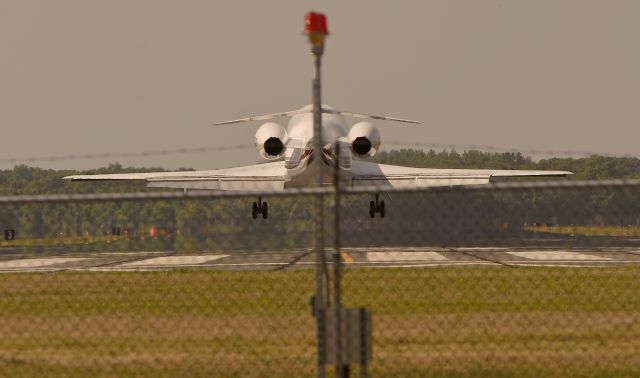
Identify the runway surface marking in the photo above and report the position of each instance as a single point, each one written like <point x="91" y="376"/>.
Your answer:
<point x="404" y="256"/>
<point x="556" y="256"/>
<point x="346" y="258"/>
<point x="365" y="257"/>
<point x="38" y="263"/>
<point x="480" y="249"/>
<point x="435" y="265"/>
<point x="567" y="265"/>
<point x="175" y="260"/>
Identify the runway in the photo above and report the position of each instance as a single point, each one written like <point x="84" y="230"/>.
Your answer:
<point x="353" y="258"/>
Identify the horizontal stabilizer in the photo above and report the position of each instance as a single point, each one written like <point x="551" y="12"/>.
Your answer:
<point x="263" y="117"/>
<point x="369" y="116"/>
<point x="306" y="111"/>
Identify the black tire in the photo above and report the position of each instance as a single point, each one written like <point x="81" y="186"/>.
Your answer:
<point x="381" y="209"/>
<point x="254" y="213"/>
<point x="265" y="210"/>
<point x="372" y="209"/>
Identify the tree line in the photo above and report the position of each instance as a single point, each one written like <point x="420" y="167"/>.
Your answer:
<point x="224" y="222"/>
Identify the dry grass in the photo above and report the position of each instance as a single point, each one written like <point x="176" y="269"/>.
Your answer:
<point x="58" y="241"/>
<point x="441" y="322"/>
<point x="587" y="230"/>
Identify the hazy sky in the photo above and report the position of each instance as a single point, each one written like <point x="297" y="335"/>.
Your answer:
<point x="121" y="76"/>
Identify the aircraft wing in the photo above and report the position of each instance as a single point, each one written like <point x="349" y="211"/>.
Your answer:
<point x="260" y="177"/>
<point x="393" y="176"/>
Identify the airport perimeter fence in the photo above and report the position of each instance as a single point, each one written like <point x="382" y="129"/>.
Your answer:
<point x="507" y="279"/>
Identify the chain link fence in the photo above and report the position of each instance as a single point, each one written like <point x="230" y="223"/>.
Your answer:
<point x="507" y="279"/>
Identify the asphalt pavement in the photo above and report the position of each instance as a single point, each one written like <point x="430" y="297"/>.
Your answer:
<point x="353" y="258"/>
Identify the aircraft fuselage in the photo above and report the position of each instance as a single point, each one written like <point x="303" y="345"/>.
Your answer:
<point x="299" y="148"/>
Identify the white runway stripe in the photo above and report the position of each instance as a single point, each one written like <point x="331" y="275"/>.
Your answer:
<point x="404" y="256"/>
<point x="556" y="255"/>
<point x="38" y="263"/>
<point x="175" y="260"/>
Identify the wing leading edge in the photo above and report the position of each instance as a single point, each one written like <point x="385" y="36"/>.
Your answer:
<point x="272" y="176"/>
<point x="393" y="176"/>
<point x="259" y="177"/>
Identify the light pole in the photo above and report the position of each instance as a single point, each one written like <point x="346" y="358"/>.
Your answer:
<point x="316" y="30"/>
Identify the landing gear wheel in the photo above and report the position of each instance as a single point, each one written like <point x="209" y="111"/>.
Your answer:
<point x="254" y="213"/>
<point x="260" y="207"/>
<point x="377" y="206"/>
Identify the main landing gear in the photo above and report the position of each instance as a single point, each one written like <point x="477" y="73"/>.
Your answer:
<point x="376" y="206"/>
<point x="260" y="208"/>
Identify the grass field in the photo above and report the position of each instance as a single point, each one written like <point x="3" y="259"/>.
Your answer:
<point x="57" y="241"/>
<point x="587" y="230"/>
<point x="439" y="322"/>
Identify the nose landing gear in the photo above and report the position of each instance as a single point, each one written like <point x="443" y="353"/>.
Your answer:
<point x="376" y="206"/>
<point x="260" y="208"/>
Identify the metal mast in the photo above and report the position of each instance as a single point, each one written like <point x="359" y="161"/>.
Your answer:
<point x="316" y="30"/>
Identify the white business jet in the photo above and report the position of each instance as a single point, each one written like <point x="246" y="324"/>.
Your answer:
<point x="291" y="148"/>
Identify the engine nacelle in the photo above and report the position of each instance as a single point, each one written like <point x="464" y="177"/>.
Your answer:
<point x="364" y="139"/>
<point x="270" y="140"/>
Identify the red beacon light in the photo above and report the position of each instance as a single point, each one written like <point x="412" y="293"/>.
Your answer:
<point x="315" y="22"/>
<point x="315" y="26"/>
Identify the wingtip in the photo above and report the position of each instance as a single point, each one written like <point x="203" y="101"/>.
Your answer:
<point x="75" y="178"/>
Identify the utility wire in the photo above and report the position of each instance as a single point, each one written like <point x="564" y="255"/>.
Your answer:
<point x="110" y="155"/>
<point x="483" y="147"/>
<point x="394" y="144"/>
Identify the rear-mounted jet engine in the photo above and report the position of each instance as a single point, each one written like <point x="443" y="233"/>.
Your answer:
<point x="364" y="139"/>
<point x="270" y="140"/>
